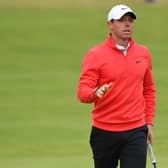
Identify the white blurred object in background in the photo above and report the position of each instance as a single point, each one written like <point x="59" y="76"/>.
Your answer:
<point x="151" y="1"/>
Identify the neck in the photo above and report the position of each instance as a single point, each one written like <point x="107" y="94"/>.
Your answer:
<point x="119" y="41"/>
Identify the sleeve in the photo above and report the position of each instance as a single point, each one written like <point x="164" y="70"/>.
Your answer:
<point x="149" y="93"/>
<point x="88" y="79"/>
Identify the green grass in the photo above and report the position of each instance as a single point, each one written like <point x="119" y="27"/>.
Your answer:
<point x="42" y="125"/>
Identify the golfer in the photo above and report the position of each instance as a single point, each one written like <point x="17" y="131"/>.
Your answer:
<point x="117" y="77"/>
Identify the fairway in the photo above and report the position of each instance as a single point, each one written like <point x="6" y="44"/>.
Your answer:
<point x="42" y="124"/>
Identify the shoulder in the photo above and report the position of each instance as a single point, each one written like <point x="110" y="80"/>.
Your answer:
<point x="95" y="51"/>
<point x="141" y="46"/>
<point x="144" y="50"/>
<point x="98" y="48"/>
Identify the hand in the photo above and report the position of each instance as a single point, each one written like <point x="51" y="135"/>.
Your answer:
<point x="150" y="134"/>
<point x="103" y="89"/>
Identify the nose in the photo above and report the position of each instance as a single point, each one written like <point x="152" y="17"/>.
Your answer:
<point x="127" y="22"/>
<point x="128" y="25"/>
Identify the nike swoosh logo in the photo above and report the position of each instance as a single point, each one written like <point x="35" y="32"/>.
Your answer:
<point x="123" y="8"/>
<point x="137" y="62"/>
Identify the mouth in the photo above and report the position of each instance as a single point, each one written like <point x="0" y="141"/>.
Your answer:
<point x="127" y="31"/>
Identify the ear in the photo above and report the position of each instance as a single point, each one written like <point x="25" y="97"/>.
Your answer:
<point x="110" y="25"/>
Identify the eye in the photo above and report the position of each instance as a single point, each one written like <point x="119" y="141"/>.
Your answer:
<point x="131" y="19"/>
<point x="121" y="19"/>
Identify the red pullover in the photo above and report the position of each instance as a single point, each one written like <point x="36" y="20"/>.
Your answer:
<point x="130" y="102"/>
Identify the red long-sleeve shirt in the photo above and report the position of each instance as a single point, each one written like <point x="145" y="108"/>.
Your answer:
<point x="130" y="102"/>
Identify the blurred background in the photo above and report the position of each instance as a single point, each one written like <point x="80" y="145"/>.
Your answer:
<point x="42" y="45"/>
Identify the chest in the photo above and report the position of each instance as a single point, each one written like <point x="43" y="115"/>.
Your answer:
<point x="131" y="66"/>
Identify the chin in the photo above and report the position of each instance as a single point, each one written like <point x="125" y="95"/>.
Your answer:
<point x="126" y="37"/>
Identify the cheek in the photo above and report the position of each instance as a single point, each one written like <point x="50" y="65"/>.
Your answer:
<point x="117" y="29"/>
<point x="110" y="27"/>
<point x="132" y="25"/>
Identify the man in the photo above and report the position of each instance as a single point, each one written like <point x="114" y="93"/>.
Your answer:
<point x="117" y="78"/>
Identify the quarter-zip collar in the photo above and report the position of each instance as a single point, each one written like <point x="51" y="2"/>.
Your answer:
<point x="123" y="49"/>
<point x="110" y="42"/>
